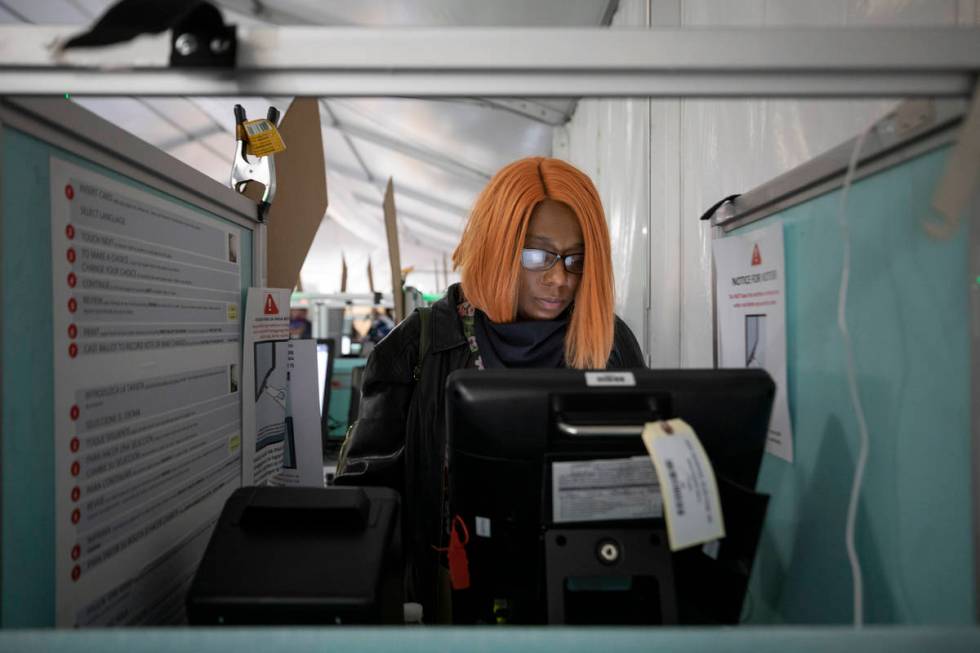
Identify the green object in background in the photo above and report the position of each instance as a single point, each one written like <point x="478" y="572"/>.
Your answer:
<point x="908" y="317"/>
<point x="340" y="395"/>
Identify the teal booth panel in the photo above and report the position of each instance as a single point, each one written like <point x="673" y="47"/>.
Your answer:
<point x="504" y="639"/>
<point x="27" y="455"/>
<point x="907" y="313"/>
<point x="340" y="395"/>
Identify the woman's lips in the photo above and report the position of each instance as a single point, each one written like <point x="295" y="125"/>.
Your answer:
<point x="550" y="303"/>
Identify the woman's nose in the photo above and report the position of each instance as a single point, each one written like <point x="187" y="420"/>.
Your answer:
<point x="556" y="275"/>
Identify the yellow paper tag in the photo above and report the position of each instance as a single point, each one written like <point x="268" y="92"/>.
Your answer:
<point x="692" y="506"/>
<point x="263" y="138"/>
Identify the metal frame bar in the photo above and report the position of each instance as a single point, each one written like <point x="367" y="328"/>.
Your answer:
<point x="418" y="152"/>
<point x="529" y="108"/>
<point x="3" y="303"/>
<point x="449" y="230"/>
<point x="435" y="202"/>
<point x="513" y="62"/>
<point x="974" y="308"/>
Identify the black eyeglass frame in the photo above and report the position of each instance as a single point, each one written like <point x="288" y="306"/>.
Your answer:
<point x="555" y="256"/>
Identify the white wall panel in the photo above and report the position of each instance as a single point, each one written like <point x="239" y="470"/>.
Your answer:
<point x="664" y="335"/>
<point x="609" y="140"/>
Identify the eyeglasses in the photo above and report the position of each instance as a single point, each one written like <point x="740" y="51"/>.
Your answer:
<point x="539" y="260"/>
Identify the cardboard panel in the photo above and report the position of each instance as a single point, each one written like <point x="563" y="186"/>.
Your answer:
<point x="301" y="197"/>
<point x="394" y="255"/>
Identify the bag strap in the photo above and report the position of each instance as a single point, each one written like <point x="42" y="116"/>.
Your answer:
<point x="425" y="313"/>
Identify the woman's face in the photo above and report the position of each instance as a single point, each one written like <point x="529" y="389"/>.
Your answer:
<point x="544" y="295"/>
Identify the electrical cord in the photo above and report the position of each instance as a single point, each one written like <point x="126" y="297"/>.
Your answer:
<point x="858" y="585"/>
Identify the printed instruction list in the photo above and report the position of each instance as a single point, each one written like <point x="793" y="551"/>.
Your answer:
<point x="147" y="401"/>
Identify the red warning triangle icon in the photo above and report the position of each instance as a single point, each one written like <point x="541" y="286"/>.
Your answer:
<point x="270" y="306"/>
<point x="756" y="256"/>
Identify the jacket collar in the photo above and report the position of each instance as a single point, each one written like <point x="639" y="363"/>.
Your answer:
<point x="447" y="328"/>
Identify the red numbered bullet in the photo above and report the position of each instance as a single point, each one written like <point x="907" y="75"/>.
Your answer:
<point x="69" y="192"/>
<point x="74" y="413"/>
<point x="76" y="573"/>
<point x="72" y="305"/>
<point x="75" y="468"/>
<point x="74" y="445"/>
<point x="76" y="493"/>
<point x="70" y="232"/>
<point x="76" y="552"/>
<point x="72" y="331"/>
<point x="71" y="254"/>
<point x="72" y="279"/>
<point x="76" y="516"/>
<point x="72" y="350"/>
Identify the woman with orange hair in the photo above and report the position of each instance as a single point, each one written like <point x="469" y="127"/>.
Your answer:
<point x="536" y="291"/>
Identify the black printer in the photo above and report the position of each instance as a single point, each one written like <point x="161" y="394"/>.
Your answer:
<point x="302" y="556"/>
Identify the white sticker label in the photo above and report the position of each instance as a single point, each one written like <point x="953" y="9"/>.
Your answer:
<point x="594" y="490"/>
<point x="690" y="493"/>
<point x="482" y="527"/>
<point x="610" y="378"/>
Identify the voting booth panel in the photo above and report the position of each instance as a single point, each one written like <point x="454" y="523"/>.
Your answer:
<point x="908" y="314"/>
<point x="123" y="280"/>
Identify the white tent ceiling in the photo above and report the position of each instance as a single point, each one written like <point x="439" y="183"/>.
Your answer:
<point x="440" y="153"/>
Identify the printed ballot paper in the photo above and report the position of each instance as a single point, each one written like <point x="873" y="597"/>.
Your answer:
<point x="750" y="295"/>
<point x="595" y="490"/>
<point x="691" y="504"/>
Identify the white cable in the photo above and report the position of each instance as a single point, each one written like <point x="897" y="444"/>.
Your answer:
<point x="852" y="385"/>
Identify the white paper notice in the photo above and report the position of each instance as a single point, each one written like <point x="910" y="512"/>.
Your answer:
<point x="690" y="493"/>
<point x="751" y="302"/>
<point x="595" y="490"/>
<point x="303" y="451"/>
<point x="281" y="416"/>
<point x="147" y="417"/>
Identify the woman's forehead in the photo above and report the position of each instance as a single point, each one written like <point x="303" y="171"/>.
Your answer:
<point x="555" y="223"/>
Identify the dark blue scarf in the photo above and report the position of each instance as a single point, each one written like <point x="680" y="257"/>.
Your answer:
<point x="533" y="343"/>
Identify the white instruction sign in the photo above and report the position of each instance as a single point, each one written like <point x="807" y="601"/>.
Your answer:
<point x="598" y="490"/>
<point x="282" y="442"/>
<point x="147" y="416"/>
<point x="303" y="448"/>
<point x="264" y="382"/>
<point x="750" y="293"/>
<point x="690" y="492"/>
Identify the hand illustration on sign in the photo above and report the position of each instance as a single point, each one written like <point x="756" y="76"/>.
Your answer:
<point x="278" y="395"/>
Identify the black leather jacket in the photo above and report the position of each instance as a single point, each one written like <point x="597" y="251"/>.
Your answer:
<point x="399" y="439"/>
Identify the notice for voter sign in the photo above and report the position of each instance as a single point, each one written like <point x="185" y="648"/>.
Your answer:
<point x="147" y="417"/>
<point x="750" y="296"/>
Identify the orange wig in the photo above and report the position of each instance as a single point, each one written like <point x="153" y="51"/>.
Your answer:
<point x="489" y="253"/>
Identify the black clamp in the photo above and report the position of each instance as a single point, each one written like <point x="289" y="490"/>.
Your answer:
<point x="717" y="205"/>
<point x="199" y="36"/>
